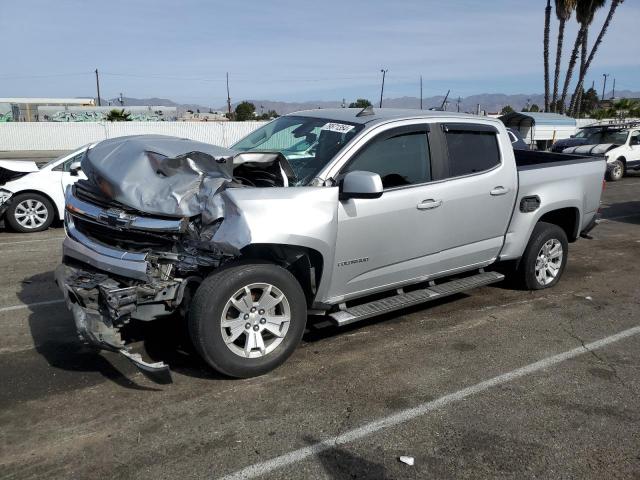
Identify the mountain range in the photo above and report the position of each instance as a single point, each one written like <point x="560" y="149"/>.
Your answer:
<point x="488" y="102"/>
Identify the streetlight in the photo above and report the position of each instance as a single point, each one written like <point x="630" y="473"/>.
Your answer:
<point x="604" y="85"/>
<point x="384" y="72"/>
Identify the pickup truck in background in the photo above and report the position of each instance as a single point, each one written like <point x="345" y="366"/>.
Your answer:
<point x="620" y="146"/>
<point x="385" y="209"/>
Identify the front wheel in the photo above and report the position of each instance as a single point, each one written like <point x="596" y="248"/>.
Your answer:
<point x="544" y="258"/>
<point x="246" y="320"/>
<point x="29" y="212"/>
<point x="616" y="171"/>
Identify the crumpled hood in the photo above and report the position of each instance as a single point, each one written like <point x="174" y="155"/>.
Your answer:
<point x="599" y="149"/>
<point x="159" y="174"/>
<point x="19" y="165"/>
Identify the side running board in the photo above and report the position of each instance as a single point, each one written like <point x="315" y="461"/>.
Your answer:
<point x="407" y="299"/>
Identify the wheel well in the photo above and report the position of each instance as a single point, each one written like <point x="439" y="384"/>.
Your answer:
<point x="42" y="194"/>
<point x="623" y="160"/>
<point x="566" y="218"/>
<point x="304" y="263"/>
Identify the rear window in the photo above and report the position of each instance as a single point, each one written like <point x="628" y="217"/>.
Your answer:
<point x="471" y="152"/>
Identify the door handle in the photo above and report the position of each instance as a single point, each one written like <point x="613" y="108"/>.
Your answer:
<point x="500" y="190"/>
<point x="429" y="204"/>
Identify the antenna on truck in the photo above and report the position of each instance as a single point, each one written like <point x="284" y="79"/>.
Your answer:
<point x="366" y="111"/>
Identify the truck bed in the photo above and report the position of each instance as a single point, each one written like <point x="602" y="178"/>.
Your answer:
<point x="526" y="159"/>
<point x="556" y="180"/>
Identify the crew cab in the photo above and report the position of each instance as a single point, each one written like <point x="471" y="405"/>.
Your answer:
<point x="32" y="197"/>
<point x="389" y="208"/>
<point x="620" y="146"/>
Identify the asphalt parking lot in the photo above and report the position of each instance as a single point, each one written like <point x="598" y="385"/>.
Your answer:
<point x="496" y="383"/>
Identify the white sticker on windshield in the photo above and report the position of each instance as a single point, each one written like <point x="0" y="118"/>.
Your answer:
<point x="338" y="127"/>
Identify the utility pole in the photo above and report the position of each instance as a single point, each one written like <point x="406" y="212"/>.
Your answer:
<point x="604" y="85"/>
<point x="420" y="92"/>
<point x="228" y="98"/>
<point x="384" y="72"/>
<point x="121" y="100"/>
<point x="458" y="102"/>
<point x="98" y="87"/>
<point x="613" y="92"/>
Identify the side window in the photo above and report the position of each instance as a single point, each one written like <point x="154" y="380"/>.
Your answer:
<point x="402" y="159"/>
<point x="635" y="138"/>
<point x="66" y="165"/>
<point x="471" y="151"/>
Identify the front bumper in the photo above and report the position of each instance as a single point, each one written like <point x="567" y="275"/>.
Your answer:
<point x="102" y="305"/>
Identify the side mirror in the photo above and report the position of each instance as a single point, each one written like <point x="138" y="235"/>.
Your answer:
<point x="572" y="136"/>
<point x="74" y="168"/>
<point x="359" y="184"/>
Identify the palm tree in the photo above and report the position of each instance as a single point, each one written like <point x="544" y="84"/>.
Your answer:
<point x="585" y="13"/>
<point x="564" y="9"/>
<point x="116" y="115"/>
<point x="572" y="64"/>
<point x="612" y="9"/>
<point x="547" y="21"/>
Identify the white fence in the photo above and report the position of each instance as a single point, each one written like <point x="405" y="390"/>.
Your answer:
<point x="67" y="136"/>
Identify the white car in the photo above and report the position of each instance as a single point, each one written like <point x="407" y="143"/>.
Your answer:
<point x="32" y="197"/>
<point x="621" y="147"/>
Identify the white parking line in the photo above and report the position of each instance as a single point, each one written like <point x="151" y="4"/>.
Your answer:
<point x="29" y="305"/>
<point x="403" y="416"/>
<point x="31" y="241"/>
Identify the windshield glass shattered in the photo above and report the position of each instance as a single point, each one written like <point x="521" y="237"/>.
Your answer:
<point x="308" y="143"/>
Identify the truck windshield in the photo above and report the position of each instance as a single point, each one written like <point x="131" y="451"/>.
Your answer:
<point x="608" y="136"/>
<point x="308" y="143"/>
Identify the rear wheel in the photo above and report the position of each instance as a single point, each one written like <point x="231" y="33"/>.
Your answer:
<point x="247" y="319"/>
<point x="29" y="212"/>
<point x="616" y="171"/>
<point x="544" y="258"/>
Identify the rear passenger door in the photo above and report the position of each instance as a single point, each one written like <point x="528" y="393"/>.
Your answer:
<point x="478" y="194"/>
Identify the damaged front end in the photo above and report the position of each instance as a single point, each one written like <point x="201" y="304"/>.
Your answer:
<point x="140" y="230"/>
<point x="113" y="272"/>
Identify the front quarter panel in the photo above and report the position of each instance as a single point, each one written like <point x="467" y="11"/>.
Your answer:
<point x="299" y="216"/>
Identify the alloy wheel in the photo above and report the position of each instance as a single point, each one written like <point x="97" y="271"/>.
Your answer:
<point x="549" y="261"/>
<point x="255" y="320"/>
<point x="31" y="214"/>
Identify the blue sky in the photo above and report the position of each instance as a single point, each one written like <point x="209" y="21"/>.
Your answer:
<point x="291" y="50"/>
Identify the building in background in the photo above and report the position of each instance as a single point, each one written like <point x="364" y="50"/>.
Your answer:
<point x="191" y="116"/>
<point x="68" y="113"/>
<point x="25" y="109"/>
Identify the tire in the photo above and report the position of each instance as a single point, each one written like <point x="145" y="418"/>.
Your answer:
<point x="538" y="269"/>
<point x="234" y="349"/>
<point x="616" y="171"/>
<point x="29" y="212"/>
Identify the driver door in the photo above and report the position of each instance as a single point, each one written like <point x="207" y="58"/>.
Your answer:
<point x="388" y="240"/>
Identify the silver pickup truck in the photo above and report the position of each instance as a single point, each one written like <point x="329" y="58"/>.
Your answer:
<point x="343" y="213"/>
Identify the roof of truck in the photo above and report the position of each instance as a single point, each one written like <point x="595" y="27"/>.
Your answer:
<point x="380" y="114"/>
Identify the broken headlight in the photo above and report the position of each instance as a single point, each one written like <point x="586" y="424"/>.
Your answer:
<point x="4" y="195"/>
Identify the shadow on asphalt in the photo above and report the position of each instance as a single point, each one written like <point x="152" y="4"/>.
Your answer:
<point x="341" y="464"/>
<point x="629" y="211"/>
<point x="56" y="340"/>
